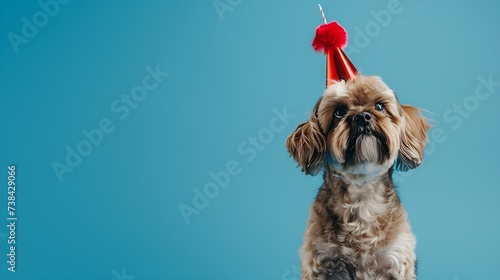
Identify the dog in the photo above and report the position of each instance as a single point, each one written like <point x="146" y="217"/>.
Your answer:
<point x="358" y="134"/>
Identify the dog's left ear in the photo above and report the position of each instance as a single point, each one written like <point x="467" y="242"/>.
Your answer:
<point x="413" y="139"/>
<point x="307" y="144"/>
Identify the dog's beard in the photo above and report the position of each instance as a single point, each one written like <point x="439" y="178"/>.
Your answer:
<point x="366" y="145"/>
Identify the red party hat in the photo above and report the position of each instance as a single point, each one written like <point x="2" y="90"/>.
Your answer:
<point x="331" y="38"/>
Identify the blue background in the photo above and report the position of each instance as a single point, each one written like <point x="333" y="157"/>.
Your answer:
<point x="117" y="213"/>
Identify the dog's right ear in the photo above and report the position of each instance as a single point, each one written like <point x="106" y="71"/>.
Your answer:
<point x="307" y="144"/>
<point x="413" y="139"/>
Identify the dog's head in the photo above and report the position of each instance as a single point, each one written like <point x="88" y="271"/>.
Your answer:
<point x="359" y="128"/>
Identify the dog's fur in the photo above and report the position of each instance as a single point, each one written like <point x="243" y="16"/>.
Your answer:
<point x="357" y="227"/>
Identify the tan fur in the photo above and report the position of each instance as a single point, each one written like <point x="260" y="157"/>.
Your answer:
<point x="307" y="144"/>
<point x="357" y="225"/>
<point x="413" y="136"/>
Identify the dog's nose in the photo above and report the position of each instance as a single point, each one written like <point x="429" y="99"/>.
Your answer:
<point x="363" y="118"/>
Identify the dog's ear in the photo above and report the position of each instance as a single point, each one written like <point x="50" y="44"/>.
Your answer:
<point x="413" y="139"/>
<point x="307" y="144"/>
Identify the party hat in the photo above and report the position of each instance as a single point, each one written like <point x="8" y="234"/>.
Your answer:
<point x="330" y="39"/>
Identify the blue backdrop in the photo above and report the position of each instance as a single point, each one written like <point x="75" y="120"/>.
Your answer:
<point x="149" y="136"/>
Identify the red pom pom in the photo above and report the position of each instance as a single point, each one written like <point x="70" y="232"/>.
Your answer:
<point x="329" y="36"/>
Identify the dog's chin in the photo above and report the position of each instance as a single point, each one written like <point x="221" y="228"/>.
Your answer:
<point x="366" y="146"/>
<point x="367" y="156"/>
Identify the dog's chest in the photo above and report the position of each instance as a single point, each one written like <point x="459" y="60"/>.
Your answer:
<point x="363" y="215"/>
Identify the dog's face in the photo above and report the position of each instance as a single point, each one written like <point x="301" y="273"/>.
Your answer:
<point x="359" y="128"/>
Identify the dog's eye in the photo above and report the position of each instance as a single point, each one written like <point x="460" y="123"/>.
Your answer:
<point x="340" y="112"/>
<point x="379" y="107"/>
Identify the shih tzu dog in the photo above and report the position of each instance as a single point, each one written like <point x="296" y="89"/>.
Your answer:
<point x="358" y="134"/>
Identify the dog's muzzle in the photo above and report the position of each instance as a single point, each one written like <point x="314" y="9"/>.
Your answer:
<point x="361" y="124"/>
<point x="363" y="119"/>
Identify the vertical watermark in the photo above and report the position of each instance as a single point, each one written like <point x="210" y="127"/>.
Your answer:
<point x="11" y="217"/>
<point x="31" y="26"/>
